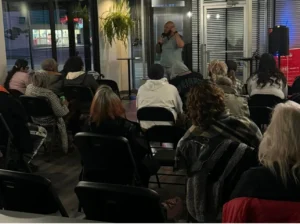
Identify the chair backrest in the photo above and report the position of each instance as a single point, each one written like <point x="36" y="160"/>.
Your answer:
<point x="25" y="192"/>
<point x="111" y="83"/>
<point x="37" y="106"/>
<point x="106" y="159"/>
<point x="165" y="134"/>
<point x="15" y="92"/>
<point x="80" y="93"/>
<point x="117" y="203"/>
<point x="260" y="115"/>
<point x="155" y="114"/>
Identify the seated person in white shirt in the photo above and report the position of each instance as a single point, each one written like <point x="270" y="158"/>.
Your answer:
<point x="268" y="83"/>
<point x="157" y="92"/>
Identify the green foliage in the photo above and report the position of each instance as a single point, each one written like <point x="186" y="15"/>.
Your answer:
<point x="81" y="12"/>
<point x="117" y="23"/>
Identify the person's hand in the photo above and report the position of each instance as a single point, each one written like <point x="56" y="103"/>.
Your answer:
<point x="66" y="103"/>
<point x="173" y="30"/>
<point x="160" y="40"/>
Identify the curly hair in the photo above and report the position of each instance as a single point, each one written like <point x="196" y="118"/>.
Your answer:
<point x="205" y="103"/>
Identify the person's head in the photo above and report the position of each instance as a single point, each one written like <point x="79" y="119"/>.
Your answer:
<point x="224" y="81"/>
<point x="73" y="64"/>
<point x="279" y="149"/>
<point x="217" y="68"/>
<point x="21" y="65"/>
<point x="268" y="71"/>
<point x="49" y="65"/>
<point x="205" y="103"/>
<point x="232" y="68"/>
<point x="156" y="72"/>
<point x="106" y="105"/>
<point x="168" y="27"/>
<point x="179" y="69"/>
<point x="40" y="79"/>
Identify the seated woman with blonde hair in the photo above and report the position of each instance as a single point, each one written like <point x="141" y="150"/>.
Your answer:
<point x="271" y="193"/>
<point x="107" y="117"/>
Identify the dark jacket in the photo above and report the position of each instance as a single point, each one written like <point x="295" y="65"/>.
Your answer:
<point x="56" y="81"/>
<point x="129" y="130"/>
<point x="261" y="197"/>
<point x="214" y="166"/>
<point x="184" y="83"/>
<point x="15" y="116"/>
<point x="84" y="80"/>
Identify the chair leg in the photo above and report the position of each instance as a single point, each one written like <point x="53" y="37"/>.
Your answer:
<point x="52" y="142"/>
<point x="157" y="179"/>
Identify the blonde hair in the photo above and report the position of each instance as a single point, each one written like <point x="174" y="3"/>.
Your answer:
<point x="217" y="68"/>
<point x="40" y="79"/>
<point x="279" y="149"/>
<point x="49" y="65"/>
<point x="106" y="105"/>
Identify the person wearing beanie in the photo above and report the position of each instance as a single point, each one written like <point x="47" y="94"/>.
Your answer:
<point x="184" y="79"/>
<point x="157" y="92"/>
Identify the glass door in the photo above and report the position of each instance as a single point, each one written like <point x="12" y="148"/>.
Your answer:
<point x="224" y="36"/>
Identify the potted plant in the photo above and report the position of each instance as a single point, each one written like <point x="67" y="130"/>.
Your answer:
<point x="116" y="23"/>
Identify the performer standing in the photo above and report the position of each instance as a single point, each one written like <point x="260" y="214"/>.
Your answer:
<point x="170" y="46"/>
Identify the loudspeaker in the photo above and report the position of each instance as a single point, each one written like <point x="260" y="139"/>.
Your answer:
<point x="279" y="41"/>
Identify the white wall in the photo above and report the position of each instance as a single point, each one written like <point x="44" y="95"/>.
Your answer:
<point x="2" y="48"/>
<point x="110" y="66"/>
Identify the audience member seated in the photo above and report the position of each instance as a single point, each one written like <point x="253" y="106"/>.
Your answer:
<point x="73" y="71"/>
<point x="236" y="83"/>
<point x="50" y="66"/>
<point x="183" y="79"/>
<point x="107" y="117"/>
<point x="18" y="78"/>
<point x="269" y="86"/>
<point x="28" y="138"/>
<point x="218" y="144"/>
<point x="271" y="193"/>
<point x="157" y="92"/>
<point x="237" y="105"/>
<point x="39" y="87"/>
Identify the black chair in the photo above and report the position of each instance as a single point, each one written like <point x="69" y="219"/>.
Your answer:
<point x="81" y="94"/>
<point x="162" y="134"/>
<point x="10" y="153"/>
<point x="15" y="93"/>
<point x="111" y="83"/>
<point x="261" y="116"/>
<point x="40" y="107"/>
<point x="106" y="159"/>
<point x="30" y="193"/>
<point x="117" y="203"/>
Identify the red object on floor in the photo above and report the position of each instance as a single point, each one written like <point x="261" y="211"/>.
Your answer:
<point x="290" y="65"/>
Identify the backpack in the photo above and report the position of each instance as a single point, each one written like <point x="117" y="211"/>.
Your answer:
<point x="209" y="186"/>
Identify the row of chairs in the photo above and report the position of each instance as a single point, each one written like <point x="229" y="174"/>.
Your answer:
<point x="101" y="202"/>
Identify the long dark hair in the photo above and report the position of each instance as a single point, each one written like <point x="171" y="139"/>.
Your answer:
<point x="268" y="71"/>
<point x="19" y="64"/>
<point x="73" y="64"/>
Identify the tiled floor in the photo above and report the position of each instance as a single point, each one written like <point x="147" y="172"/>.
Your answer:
<point x="64" y="172"/>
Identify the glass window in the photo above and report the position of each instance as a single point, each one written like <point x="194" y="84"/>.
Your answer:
<point x="16" y="31"/>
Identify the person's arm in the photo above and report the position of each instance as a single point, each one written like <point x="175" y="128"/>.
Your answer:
<point x="57" y="107"/>
<point x="159" y="45"/>
<point x="178" y="102"/>
<point x="179" y="41"/>
<point x="92" y="83"/>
